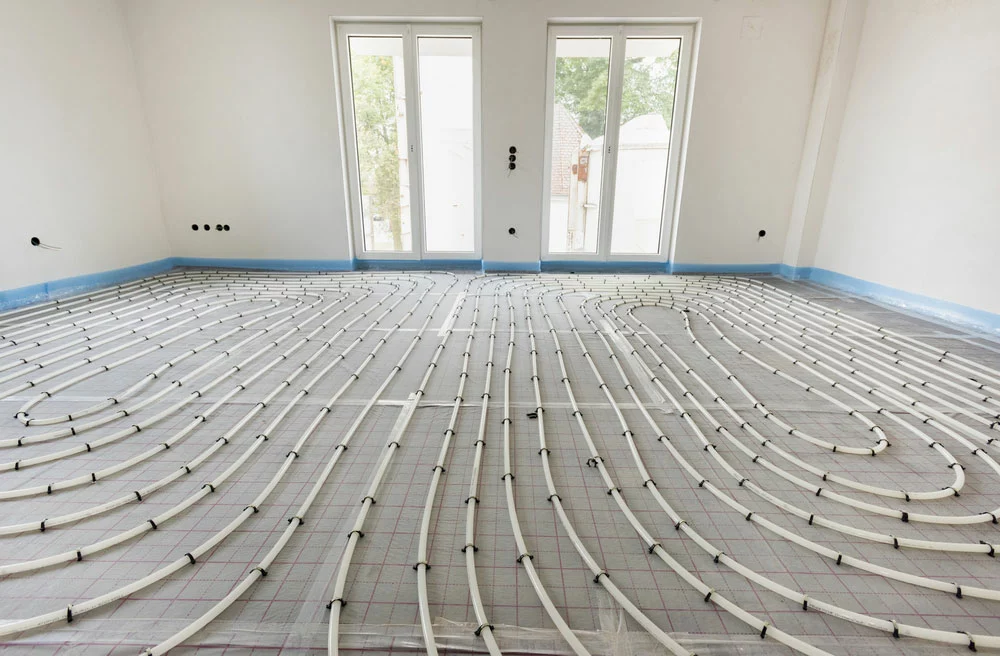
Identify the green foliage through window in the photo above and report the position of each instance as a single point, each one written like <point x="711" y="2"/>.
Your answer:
<point x="581" y="86"/>
<point x="373" y="80"/>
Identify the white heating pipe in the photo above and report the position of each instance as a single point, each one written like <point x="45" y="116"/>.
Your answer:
<point x="337" y="601"/>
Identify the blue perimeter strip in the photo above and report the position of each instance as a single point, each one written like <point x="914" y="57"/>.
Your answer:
<point x="418" y="265"/>
<point x="578" y="266"/>
<point x="680" y="267"/>
<point x="952" y="312"/>
<point x="14" y="298"/>
<point x="265" y="264"/>
<point x="527" y="267"/>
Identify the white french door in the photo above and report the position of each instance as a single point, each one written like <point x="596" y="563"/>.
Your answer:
<point x="615" y="115"/>
<point x="411" y="99"/>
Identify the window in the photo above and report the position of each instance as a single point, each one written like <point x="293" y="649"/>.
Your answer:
<point x="615" y="101"/>
<point x="411" y="99"/>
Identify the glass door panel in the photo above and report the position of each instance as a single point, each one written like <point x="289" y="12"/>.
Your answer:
<point x="446" y="81"/>
<point x="580" y="112"/>
<point x="618" y="95"/>
<point x="647" y="106"/>
<point x="378" y="90"/>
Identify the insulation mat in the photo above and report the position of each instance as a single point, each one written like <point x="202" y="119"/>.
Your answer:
<point x="242" y="462"/>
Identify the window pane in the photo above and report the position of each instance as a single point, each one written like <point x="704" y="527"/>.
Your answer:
<point x="379" y="91"/>
<point x="446" y="123"/>
<point x="578" y="122"/>
<point x="644" y="143"/>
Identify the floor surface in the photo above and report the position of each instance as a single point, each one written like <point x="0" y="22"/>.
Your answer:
<point x="160" y="506"/>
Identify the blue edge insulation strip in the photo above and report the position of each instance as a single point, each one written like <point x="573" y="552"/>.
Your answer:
<point x="952" y="312"/>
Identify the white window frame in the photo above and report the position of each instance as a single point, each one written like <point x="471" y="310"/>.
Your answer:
<point x="410" y="32"/>
<point x="618" y="32"/>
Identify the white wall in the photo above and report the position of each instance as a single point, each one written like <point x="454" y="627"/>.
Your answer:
<point x="833" y="82"/>
<point x="76" y="167"/>
<point x="241" y="105"/>
<point x="914" y="201"/>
